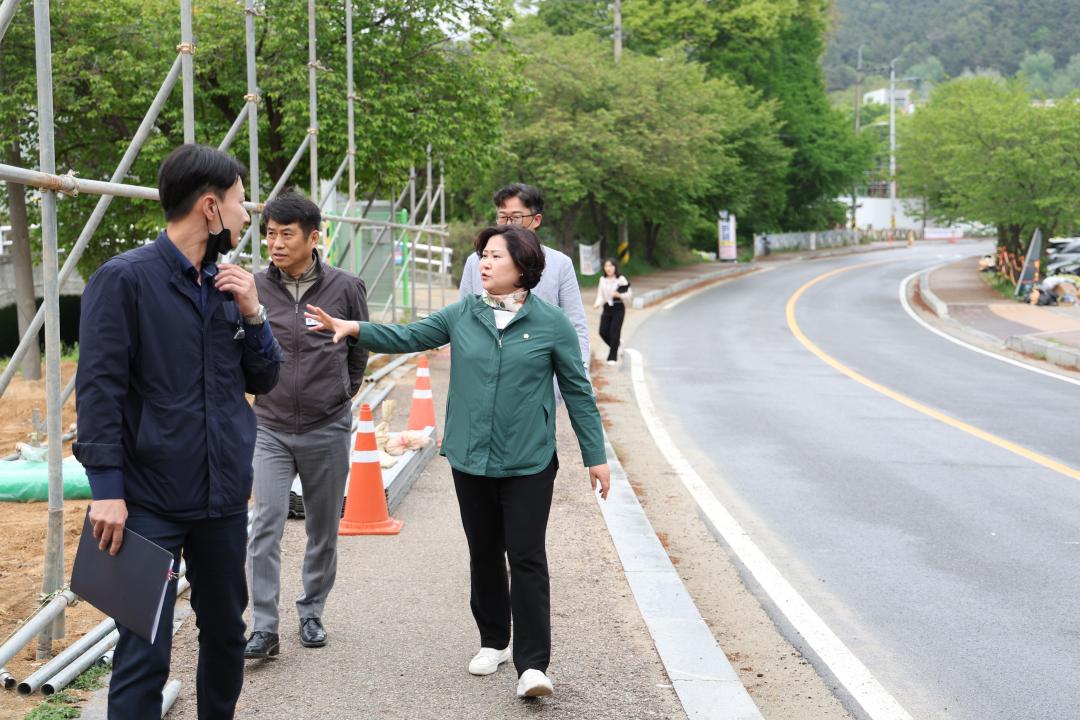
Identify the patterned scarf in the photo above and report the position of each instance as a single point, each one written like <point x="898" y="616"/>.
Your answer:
<point x="512" y="301"/>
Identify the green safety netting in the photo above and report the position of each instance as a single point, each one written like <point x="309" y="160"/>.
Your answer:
<point x="27" y="480"/>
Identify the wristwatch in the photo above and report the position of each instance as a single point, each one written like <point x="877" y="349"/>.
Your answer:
<point x="258" y="318"/>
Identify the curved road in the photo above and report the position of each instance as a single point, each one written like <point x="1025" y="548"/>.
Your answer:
<point x="948" y="564"/>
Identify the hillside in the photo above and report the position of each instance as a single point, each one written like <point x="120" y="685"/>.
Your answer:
<point x="961" y="34"/>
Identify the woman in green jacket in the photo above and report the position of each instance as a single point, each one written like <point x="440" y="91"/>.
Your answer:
<point x="500" y="437"/>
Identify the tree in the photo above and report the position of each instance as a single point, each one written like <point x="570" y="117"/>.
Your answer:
<point x="653" y="141"/>
<point x="425" y="73"/>
<point x="982" y="151"/>
<point x="773" y="46"/>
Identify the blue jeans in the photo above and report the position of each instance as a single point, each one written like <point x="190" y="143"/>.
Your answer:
<point x="214" y="551"/>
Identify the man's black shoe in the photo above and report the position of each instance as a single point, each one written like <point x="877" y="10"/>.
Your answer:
<point x="261" y="646"/>
<point x="312" y="633"/>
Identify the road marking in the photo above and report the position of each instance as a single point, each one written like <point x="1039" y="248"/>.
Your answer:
<point x="687" y="296"/>
<point x="915" y="405"/>
<point x="1011" y="361"/>
<point x="874" y="699"/>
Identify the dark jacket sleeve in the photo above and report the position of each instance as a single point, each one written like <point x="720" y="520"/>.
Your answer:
<point x="261" y="361"/>
<point x="358" y="355"/>
<point x="108" y="339"/>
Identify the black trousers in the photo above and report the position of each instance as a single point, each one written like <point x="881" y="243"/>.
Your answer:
<point x="506" y="519"/>
<point x="214" y="550"/>
<point x="611" y="327"/>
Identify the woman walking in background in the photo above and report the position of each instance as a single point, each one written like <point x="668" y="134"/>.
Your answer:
<point x="500" y="437"/>
<point x="612" y="292"/>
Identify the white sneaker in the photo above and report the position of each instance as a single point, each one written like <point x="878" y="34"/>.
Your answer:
<point x="533" y="683"/>
<point x="488" y="660"/>
<point x="612" y="362"/>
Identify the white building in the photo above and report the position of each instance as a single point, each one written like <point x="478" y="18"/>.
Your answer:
<point x="902" y="98"/>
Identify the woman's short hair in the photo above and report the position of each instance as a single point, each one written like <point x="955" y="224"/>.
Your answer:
<point x="524" y="248"/>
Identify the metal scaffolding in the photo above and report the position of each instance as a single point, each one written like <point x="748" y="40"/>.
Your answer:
<point x="390" y="237"/>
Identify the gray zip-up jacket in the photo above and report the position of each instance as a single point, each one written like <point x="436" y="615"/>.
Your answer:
<point x="318" y="378"/>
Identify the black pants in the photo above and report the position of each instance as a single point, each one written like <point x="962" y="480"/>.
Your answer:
<point x="611" y="327"/>
<point x="506" y="519"/>
<point x="214" y="551"/>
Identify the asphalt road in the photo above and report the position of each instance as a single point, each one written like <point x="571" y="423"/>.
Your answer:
<point x="946" y="563"/>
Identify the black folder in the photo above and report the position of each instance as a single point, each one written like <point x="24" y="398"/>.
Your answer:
<point x="129" y="586"/>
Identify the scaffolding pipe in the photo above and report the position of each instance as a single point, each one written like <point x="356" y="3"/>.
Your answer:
<point x="7" y="13"/>
<point x="430" y="201"/>
<point x="313" y="110"/>
<point x="91" y="226"/>
<point x="169" y="695"/>
<point x="187" y="48"/>
<point x="234" y="129"/>
<point x="273" y="194"/>
<point x="252" y="106"/>
<point x="53" y="576"/>
<point x="26" y="632"/>
<point x="60" y="680"/>
<point x="70" y="653"/>
<point x="411" y="264"/>
<point x="333" y="184"/>
<point x="351" y="121"/>
<point x="442" y="215"/>
<point x="423" y="229"/>
<point x="6" y="679"/>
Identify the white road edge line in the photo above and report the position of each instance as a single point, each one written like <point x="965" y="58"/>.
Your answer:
<point x="988" y="353"/>
<point x="871" y="696"/>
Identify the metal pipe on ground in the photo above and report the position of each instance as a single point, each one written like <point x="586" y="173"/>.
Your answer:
<point x="72" y="670"/>
<point x="34" y="624"/>
<point x="6" y="679"/>
<point x="72" y="652"/>
<point x="169" y="695"/>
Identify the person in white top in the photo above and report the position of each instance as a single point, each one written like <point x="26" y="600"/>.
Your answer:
<point x="612" y="292"/>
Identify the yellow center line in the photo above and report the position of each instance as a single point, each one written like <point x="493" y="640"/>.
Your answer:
<point x="915" y="405"/>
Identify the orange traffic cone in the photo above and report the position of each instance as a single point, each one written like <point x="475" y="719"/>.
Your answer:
<point x="365" y="506"/>
<point x="422" y="412"/>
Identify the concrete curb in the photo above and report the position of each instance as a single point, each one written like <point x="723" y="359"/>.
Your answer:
<point x="932" y="301"/>
<point x="1054" y="352"/>
<point x="707" y="685"/>
<point x="655" y="296"/>
<point x="398" y="480"/>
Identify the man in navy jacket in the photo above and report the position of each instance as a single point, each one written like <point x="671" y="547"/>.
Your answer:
<point x="169" y="342"/>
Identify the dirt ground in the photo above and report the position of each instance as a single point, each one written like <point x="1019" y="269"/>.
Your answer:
<point x="22" y="541"/>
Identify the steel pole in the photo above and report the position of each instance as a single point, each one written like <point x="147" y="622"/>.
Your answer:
<point x="350" y="229"/>
<point x="31" y="334"/>
<point x="187" y="48"/>
<point x="7" y="13"/>
<point x="313" y="109"/>
<point x="252" y="99"/>
<point x="53" y="578"/>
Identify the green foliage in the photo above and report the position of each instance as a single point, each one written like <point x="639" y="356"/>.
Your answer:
<point x="653" y="141"/>
<point x="773" y="46"/>
<point x="982" y="151"/>
<point x="59" y="706"/>
<point x="425" y="72"/>
<point x="961" y="34"/>
<point x="90" y="679"/>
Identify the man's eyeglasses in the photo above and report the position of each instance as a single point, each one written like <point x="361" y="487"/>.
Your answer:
<point x="512" y="219"/>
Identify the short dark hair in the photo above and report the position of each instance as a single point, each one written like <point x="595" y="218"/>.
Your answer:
<point x="191" y="170"/>
<point x="292" y="207"/>
<point x="529" y="196"/>
<point x="525" y="251"/>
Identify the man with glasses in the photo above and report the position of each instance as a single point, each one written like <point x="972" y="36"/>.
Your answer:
<point x="522" y="205"/>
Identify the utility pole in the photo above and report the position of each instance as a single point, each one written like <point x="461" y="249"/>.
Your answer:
<point x="618" y="31"/>
<point x="858" y="127"/>
<point x="892" y="148"/>
<point x="623" y="244"/>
